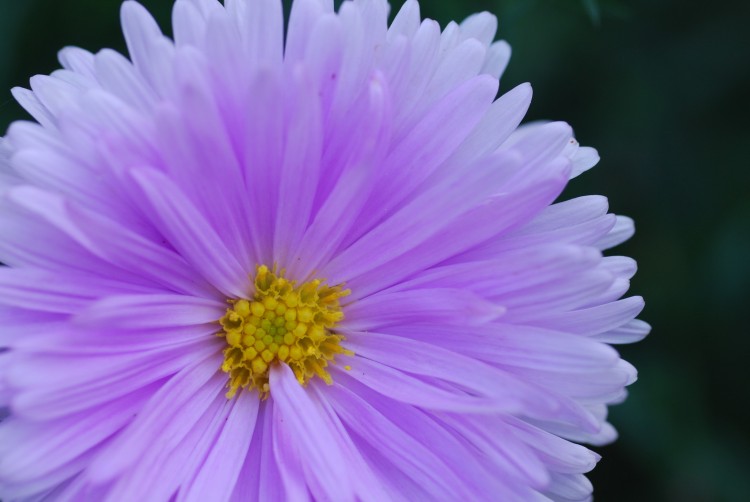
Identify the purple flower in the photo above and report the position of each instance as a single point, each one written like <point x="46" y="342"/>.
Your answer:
<point x="323" y="266"/>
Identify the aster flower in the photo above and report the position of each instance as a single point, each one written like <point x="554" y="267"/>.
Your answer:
<point x="326" y="265"/>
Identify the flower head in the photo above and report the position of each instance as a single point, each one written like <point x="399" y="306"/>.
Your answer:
<point x="326" y="265"/>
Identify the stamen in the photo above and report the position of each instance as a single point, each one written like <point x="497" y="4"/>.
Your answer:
<point x="282" y="324"/>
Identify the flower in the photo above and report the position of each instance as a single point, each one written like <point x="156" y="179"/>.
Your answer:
<point x="246" y="266"/>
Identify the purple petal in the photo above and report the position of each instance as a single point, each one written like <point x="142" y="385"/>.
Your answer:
<point x="218" y="474"/>
<point x="314" y="434"/>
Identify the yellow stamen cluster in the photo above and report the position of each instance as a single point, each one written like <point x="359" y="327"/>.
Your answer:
<point x="283" y="323"/>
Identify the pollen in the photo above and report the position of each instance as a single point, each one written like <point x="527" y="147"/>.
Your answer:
<point x="284" y="323"/>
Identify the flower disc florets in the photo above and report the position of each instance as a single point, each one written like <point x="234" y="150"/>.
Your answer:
<point x="282" y="323"/>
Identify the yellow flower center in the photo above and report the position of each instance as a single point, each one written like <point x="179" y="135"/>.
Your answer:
<point x="283" y="323"/>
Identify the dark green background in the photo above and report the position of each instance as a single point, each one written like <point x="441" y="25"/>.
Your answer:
<point x="660" y="88"/>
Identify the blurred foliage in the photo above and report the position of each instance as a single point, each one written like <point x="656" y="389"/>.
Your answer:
<point x="660" y="87"/>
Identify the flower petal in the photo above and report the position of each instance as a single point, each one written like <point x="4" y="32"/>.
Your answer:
<point x="150" y="312"/>
<point x="314" y="434"/>
<point x="188" y="231"/>
<point x="411" y="457"/>
<point x="425" y="359"/>
<point x="217" y="475"/>
<point x="187" y="395"/>
<point x="410" y="390"/>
